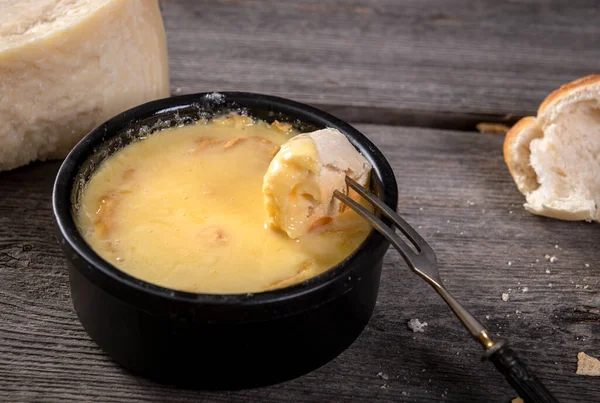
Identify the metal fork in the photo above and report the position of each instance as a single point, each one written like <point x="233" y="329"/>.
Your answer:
<point x="422" y="260"/>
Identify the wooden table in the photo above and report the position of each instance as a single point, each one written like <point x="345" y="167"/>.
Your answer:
<point x="384" y="65"/>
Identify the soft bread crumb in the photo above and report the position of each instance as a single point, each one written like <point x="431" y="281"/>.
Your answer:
<point x="554" y="158"/>
<point x="587" y="365"/>
<point x="505" y="297"/>
<point x="416" y="326"/>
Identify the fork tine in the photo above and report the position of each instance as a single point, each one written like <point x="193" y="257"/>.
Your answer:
<point x="407" y="253"/>
<point x="399" y="222"/>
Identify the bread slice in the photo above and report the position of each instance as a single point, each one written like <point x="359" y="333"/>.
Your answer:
<point x="554" y="158"/>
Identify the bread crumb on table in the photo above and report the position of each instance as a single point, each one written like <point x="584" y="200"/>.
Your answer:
<point x="383" y="376"/>
<point x="586" y="365"/>
<point x="553" y="259"/>
<point x="416" y="326"/>
<point x="517" y="400"/>
<point x="505" y="297"/>
<point x="492" y="128"/>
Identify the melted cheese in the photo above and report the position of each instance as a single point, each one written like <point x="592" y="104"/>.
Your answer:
<point x="184" y="209"/>
<point x="290" y="187"/>
<point x="299" y="184"/>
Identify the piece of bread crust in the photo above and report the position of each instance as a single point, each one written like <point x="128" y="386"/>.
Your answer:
<point x="517" y="152"/>
<point x="566" y="90"/>
<point x="587" y="365"/>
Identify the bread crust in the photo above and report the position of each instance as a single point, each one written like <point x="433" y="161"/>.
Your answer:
<point x="516" y="147"/>
<point x="529" y="122"/>
<point x="565" y="90"/>
<point x="511" y="138"/>
<point x="517" y="170"/>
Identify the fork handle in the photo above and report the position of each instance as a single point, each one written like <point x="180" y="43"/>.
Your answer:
<point x="527" y="385"/>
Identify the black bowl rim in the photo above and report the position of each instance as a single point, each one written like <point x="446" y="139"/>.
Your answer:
<point x="61" y="195"/>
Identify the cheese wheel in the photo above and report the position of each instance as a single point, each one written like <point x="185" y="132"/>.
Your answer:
<point x="67" y="66"/>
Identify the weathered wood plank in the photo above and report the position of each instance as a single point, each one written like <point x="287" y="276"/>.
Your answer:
<point x="454" y="187"/>
<point x="412" y="62"/>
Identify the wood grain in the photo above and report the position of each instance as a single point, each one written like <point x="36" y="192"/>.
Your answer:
<point x="454" y="188"/>
<point x="434" y="63"/>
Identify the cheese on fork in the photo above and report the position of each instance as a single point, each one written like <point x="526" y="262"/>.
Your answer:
<point x="67" y="66"/>
<point x="299" y="184"/>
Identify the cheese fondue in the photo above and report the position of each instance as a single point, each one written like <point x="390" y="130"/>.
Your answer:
<point x="183" y="209"/>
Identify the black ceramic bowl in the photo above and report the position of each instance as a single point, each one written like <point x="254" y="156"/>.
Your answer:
<point x="205" y="340"/>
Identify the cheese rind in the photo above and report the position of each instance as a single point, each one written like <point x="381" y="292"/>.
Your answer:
<point x="302" y="177"/>
<point x="66" y="67"/>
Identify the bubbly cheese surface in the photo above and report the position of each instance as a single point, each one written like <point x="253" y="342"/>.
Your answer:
<point x="184" y="209"/>
<point x="67" y="66"/>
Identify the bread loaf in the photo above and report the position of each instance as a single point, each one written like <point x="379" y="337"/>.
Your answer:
<point x="554" y="158"/>
<point x="67" y="66"/>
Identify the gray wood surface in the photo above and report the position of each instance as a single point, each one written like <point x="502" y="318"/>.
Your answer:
<point x="454" y="187"/>
<point x="435" y="63"/>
